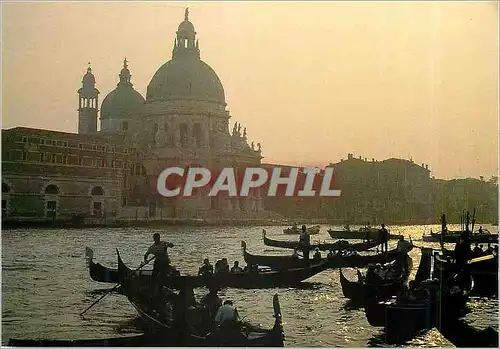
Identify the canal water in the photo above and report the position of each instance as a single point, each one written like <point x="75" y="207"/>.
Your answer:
<point x="45" y="285"/>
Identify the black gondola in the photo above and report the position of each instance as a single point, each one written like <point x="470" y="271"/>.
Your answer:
<point x="199" y="331"/>
<point x="359" y="292"/>
<point x="338" y="245"/>
<point x="250" y="279"/>
<point x="336" y="261"/>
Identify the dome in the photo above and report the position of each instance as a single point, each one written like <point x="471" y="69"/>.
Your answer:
<point x="186" y="77"/>
<point x="186" y="26"/>
<point x="123" y="101"/>
<point x="89" y="78"/>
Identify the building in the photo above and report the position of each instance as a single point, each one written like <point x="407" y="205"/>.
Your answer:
<point x="111" y="173"/>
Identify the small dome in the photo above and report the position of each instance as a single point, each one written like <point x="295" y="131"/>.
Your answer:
<point x="123" y="101"/>
<point x="186" y="26"/>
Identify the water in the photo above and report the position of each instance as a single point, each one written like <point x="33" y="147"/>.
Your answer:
<point x="45" y="285"/>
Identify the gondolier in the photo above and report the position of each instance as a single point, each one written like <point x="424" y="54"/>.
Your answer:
<point x="305" y="242"/>
<point x="162" y="261"/>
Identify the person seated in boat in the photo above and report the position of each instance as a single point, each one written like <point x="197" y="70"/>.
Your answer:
<point x="480" y="231"/>
<point x="361" y="278"/>
<point x="481" y="251"/>
<point x="162" y="261"/>
<point x="330" y="254"/>
<point x="384" y="238"/>
<point x="223" y="267"/>
<point x="317" y="255"/>
<point x="236" y="269"/>
<point x="206" y="268"/>
<point x="212" y="302"/>
<point x="227" y="315"/>
<point x="295" y="253"/>
<point x="476" y="251"/>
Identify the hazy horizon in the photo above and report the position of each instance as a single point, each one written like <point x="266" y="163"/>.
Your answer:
<point x="408" y="80"/>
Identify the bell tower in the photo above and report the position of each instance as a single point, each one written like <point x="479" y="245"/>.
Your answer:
<point x="88" y="104"/>
<point x="185" y="44"/>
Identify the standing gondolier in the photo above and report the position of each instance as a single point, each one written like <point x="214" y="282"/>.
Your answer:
<point x="384" y="238"/>
<point x="162" y="261"/>
<point x="305" y="242"/>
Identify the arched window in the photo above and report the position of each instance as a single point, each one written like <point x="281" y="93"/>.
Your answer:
<point x="97" y="191"/>
<point x="183" y="128"/>
<point x="5" y="188"/>
<point x="197" y="134"/>
<point x="52" y="189"/>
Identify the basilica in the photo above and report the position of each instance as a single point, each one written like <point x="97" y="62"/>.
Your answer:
<point x="111" y="173"/>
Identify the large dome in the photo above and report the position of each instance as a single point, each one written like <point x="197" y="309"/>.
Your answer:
<point x="123" y="101"/>
<point x="186" y="78"/>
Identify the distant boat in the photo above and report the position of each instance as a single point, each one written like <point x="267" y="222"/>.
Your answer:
<point x="295" y="230"/>
<point x="365" y="233"/>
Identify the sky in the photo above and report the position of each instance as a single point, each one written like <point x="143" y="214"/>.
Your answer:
<point x="311" y="81"/>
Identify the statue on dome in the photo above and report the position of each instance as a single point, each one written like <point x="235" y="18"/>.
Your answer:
<point x="258" y="147"/>
<point x="253" y="146"/>
<point x="245" y="133"/>
<point x="235" y="128"/>
<point x="239" y="129"/>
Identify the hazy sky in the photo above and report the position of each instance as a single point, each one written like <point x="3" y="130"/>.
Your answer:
<point x="310" y="81"/>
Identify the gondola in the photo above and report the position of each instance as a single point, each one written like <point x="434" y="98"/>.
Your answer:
<point x="130" y="341"/>
<point x="193" y="326"/>
<point x="336" y="261"/>
<point x="483" y="271"/>
<point x="361" y="234"/>
<point x="359" y="292"/>
<point x="338" y="245"/>
<point x="314" y="230"/>
<point x="453" y="236"/>
<point x="100" y="273"/>
<point x="250" y="279"/>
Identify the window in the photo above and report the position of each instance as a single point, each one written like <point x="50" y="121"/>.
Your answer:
<point x="81" y="161"/>
<point x="124" y="201"/>
<point x="101" y="162"/>
<point x="25" y="156"/>
<point x="25" y="139"/>
<point x="80" y="146"/>
<point x="42" y="141"/>
<point x="5" y="188"/>
<point x="103" y="148"/>
<point x="54" y="158"/>
<point x="125" y="150"/>
<point x="97" y="191"/>
<point x="42" y="157"/>
<point x="65" y="144"/>
<point x="65" y="159"/>
<point x="94" y="147"/>
<point x="125" y="126"/>
<point x="52" y="189"/>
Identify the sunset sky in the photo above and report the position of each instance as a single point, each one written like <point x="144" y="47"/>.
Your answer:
<point x="310" y="81"/>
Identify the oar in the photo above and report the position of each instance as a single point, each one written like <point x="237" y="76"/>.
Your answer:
<point x="115" y="287"/>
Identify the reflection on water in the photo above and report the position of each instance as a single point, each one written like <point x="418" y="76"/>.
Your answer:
<point x="45" y="285"/>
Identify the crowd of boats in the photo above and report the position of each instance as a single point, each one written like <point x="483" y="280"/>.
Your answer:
<point x="436" y="297"/>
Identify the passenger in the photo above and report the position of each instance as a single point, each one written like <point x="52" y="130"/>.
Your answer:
<point x="476" y="250"/>
<point x="361" y="278"/>
<point x="224" y="266"/>
<point x="206" y="268"/>
<point x="480" y="231"/>
<point x="330" y="254"/>
<point x="384" y="238"/>
<point x="481" y="252"/>
<point x="295" y="253"/>
<point x="212" y="301"/>
<point x="227" y="315"/>
<point x="236" y="268"/>
<point x="317" y="255"/>
<point x="162" y="261"/>
<point x="218" y="266"/>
